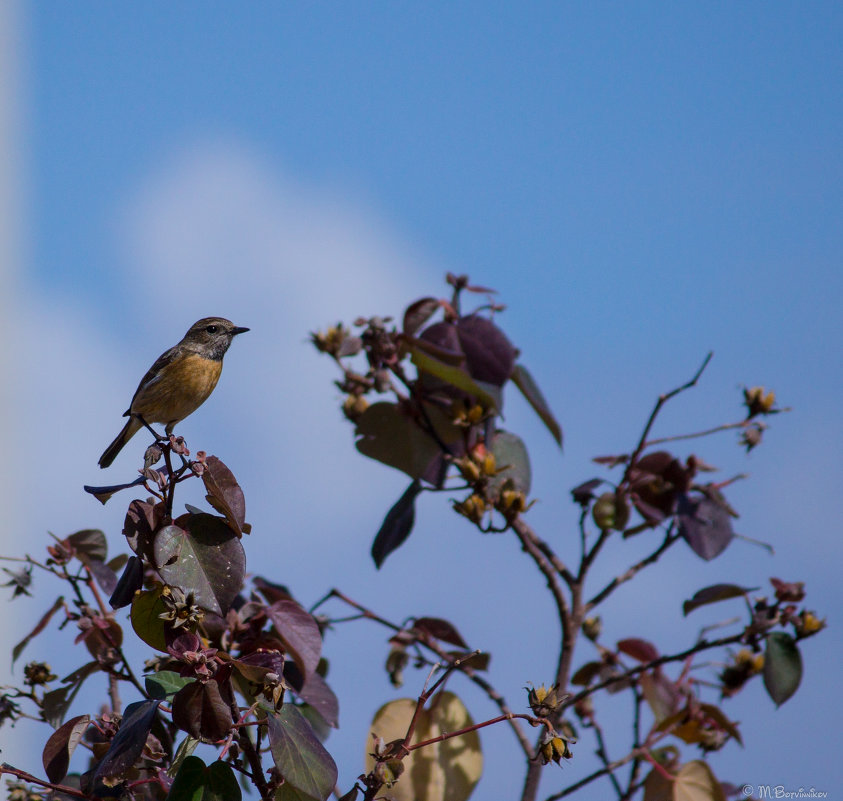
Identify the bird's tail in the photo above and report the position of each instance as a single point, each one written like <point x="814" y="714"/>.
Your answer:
<point x="132" y="426"/>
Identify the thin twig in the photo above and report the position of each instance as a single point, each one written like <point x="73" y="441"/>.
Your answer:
<point x="606" y="769"/>
<point x="642" y="442"/>
<point x="467" y="670"/>
<point x="670" y="538"/>
<point x="603" y="754"/>
<point x="702" y="645"/>
<point x="28" y="777"/>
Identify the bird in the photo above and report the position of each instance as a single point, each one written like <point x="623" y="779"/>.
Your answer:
<point x="179" y="382"/>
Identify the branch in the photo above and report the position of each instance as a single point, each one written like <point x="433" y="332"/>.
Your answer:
<point x="467" y="670"/>
<point x="28" y="777"/>
<point x="702" y="645"/>
<point x="601" y="596"/>
<point x="642" y="442"/>
<point x="572" y="788"/>
<point x="530" y="543"/>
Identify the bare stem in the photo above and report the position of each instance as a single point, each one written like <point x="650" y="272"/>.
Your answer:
<point x="670" y="538"/>
<point x="28" y="777"/>
<point x="642" y="442"/>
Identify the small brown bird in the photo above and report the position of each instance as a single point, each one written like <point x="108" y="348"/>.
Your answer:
<point x="179" y="382"/>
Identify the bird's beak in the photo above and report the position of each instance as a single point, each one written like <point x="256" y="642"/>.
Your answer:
<point x="238" y="330"/>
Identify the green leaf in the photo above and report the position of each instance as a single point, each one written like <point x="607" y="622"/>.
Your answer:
<point x="782" y="667"/>
<point x="487" y="394"/>
<point x="397" y="524"/>
<point x="299" y="756"/>
<point x="696" y="782"/>
<point x="147" y="607"/>
<point x="714" y="593"/>
<point x="529" y="389"/>
<point x="197" y="782"/>
<point x="512" y="461"/>
<point x="449" y="769"/>
<point x="202" y="555"/>
<point x="186" y="747"/>
<point x="165" y="683"/>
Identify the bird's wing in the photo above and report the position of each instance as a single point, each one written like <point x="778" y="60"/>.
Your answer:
<point x="152" y="375"/>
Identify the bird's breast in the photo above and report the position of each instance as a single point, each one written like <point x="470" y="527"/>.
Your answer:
<point x="179" y="389"/>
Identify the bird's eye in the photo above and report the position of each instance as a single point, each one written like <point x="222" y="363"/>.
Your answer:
<point x="212" y="329"/>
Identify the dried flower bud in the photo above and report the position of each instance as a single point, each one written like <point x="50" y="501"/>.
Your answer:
<point x="808" y="623"/>
<point x="473" y="507"/>
<point x="554" y="749"/>
<point x="354" y="406"/>
<point x="751" y="436"/>
<point x="36" y="673"/>
<point x="788" y="591"/>
<point x="757" y="401"/>
<point x="544" y="701"/>
<point x="181" y="610"/>
<point x="591" y="627"/>
<point x="396" y="661"/>
<point x="153" y="453"/>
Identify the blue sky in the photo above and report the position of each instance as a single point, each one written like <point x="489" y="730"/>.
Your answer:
<point x="641" y="182"/>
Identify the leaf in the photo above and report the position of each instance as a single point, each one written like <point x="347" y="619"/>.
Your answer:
<point x="55" y="703"/>
<point x="696" y="782"/>
<point x="200" y="710"/>
<point x="513" y="463"/>
<point x="447" y="770"/>
<point x="782" y="667"/>
<point x="529" y="389"/>
<point x="440" y="629"/>
<point x="127" y="745"/>
<point x="584" y="493"/>
<point x="705" y="525"/>
<point x="487" y="394"/>
<point x="388" y="435"/>
<point x="130" y="582"/>
<point x="418" y="313"/>
<point x="186" y="747"/>
<point x="297" y="629"/>
<point x="39" y="627"/>
<point x="638" y="649"/>
<point x="714" y="593"/>
<point x="489" y="355"/>
<point x="661" y="694"/>
<point x="200" y="554"/>
<point x="60" y="746"/>
<point x="197" y="782"/>
<point x="657" y="787"/>
<point x="104" y="575"/>
<point x="90" y="545"/>
<point x="397" y="524"/>
<point x="147" y="608"/>
<point x="142" y="520"/>
<point x="225" y="494"/>
<point x="716" y="714"/>
<point x="165" y="683"/>
<point x="102" y="494"/>
<point x="587" y="673"/>
<point x="299" y="756"/>
<point x="315" y="692"/>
